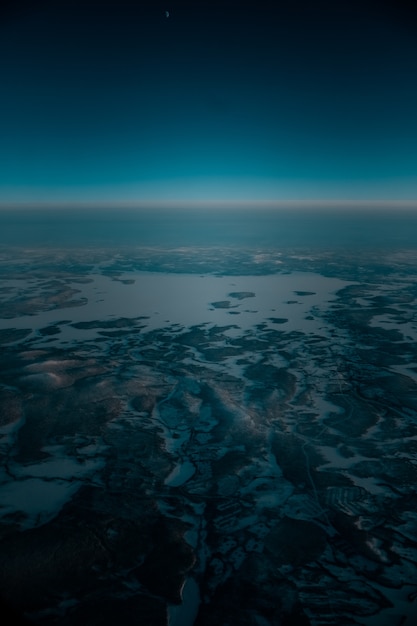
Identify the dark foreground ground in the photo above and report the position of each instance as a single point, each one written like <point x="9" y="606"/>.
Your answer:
<point x="210" y="473"/>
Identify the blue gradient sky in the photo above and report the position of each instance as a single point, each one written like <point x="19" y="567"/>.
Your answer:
<point x="114" y="102"/>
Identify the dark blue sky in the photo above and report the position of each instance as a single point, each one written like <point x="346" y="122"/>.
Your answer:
<point x="115" y="102"/>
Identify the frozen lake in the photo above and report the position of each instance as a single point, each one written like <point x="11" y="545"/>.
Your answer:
<point x="166" y="299"/>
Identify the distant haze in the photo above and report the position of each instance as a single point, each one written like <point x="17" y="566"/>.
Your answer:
<point x="220" y="225"/>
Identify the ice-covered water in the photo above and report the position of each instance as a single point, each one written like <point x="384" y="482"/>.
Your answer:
<point x="166" y="299"/>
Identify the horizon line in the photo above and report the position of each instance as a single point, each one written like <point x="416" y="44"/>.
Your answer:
<point x="313" y="203"/>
